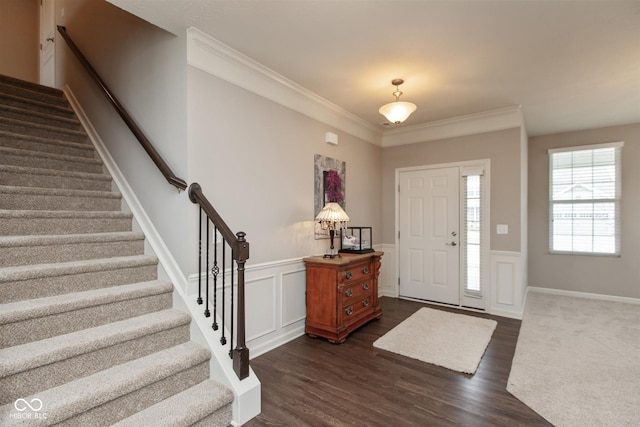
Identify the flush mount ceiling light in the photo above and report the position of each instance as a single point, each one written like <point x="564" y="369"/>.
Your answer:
<point x="397" y="112"/>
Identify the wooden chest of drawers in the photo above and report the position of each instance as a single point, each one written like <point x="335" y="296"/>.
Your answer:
<point x="342" y="294"/>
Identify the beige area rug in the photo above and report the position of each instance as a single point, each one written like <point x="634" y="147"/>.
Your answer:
<point x="577" y="361"/>
<point x="453" y="341"/>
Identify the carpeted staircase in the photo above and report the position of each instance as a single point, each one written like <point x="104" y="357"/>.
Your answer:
<point x="88" y="332"/>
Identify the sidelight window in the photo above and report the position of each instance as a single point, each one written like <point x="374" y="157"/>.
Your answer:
<point x="472" y="231"/>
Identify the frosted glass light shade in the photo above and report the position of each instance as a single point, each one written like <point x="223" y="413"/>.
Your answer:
<point x="397" y="112"/>
<point x="332" y="213"/>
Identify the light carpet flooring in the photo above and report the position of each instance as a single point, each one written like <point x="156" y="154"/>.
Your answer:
<point x="577" y="361"/>
<point x="453" y="341"/>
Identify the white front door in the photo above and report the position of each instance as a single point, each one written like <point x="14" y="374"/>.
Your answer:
<point x="47" y="43"/>
<point x="429" y="229"/>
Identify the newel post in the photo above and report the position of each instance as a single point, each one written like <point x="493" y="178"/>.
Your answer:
<point x="241" y="352"/>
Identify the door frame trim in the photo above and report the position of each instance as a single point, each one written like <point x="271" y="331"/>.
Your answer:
<point x="486" y="224"/>
<point x="41" y="40"/>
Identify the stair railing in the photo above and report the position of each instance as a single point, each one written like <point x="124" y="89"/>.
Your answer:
<point x="239" y="254"/>
<point x="171" y="177"/>
<point x="236" y="243"/>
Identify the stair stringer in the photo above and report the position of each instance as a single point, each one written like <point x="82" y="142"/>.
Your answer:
<point x="247" y="393"/>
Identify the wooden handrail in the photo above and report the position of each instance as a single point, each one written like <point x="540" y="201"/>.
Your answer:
<point x="236" y="241"/>
<point x="171" y="177"/>
<point x="240" y="254"/>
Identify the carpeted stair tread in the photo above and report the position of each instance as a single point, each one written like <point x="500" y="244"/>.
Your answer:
<point x="46" y="222"/>
<point x="51" y="178"/>
<point x="40" y="159"/>
<point x="42" y="307"/>
<point x="37" y="198"/>
<point x="40" y="117"/>
<point x="183" y="409"/>
<point x="26" y="127"/>
<point x="47" y="145"/>
<point x="30" y="86"/>
<point x="10" y="274"/>
<point x="43" y="249"/>
<point x="31" y="214"/>
<point x="46" y="98"/>
<point x="23" y="357"/>
<point x="15" y="99"/>
<point x="68" y="239"/>
<point x="82" y="397"/>
<point x="32" y="191"/>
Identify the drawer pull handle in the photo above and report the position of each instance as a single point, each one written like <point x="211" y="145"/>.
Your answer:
<point x="365" y="270"/>
<point x="349" y="310"/>
<point x="349" y="275"/>
<point x="365" y="286"/>
<point x="365" y="302"/>
<point x="349" y="292"/>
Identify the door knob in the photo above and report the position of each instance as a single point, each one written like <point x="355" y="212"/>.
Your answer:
<point x="452" y="244"/>
<point x="49" y="39"/>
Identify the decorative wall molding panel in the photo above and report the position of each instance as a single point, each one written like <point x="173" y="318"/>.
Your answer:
<point x="388" y="279"/>
<point x="507" y="296"/>
<point x="275" y="302"/>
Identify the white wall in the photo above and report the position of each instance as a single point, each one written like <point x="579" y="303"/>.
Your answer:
<point x="146" y="69"/>
<point x="19" y="39"/>
<point x="615" y="276"/>
<point x="255" y="161"/>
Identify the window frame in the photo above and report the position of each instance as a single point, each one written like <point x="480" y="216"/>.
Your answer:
<point x="616" y="200"/>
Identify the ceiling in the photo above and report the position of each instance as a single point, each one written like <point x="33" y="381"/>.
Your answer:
<point x="570" y="64"/>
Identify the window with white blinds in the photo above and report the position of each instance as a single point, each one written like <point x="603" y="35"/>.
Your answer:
<point x="584" y="199"/>
<point x="472" y="237"/>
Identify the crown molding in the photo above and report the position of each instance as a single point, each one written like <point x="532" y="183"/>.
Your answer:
<point x="488" y="121"/>
<point x="216" y="58"/>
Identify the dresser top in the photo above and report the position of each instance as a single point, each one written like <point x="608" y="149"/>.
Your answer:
<point x="343" y="259"/>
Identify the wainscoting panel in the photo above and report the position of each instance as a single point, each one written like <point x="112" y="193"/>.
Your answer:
<point x="505" y="290"/>
<point x="506" y="284"/>
<point x="274" y="301"/>
<point x="388" y="279"/>
<point x="260" y="303"/>
<point x="293" y="297"/>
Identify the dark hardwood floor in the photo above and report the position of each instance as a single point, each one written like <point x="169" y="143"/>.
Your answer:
<point x="310" y="382"/>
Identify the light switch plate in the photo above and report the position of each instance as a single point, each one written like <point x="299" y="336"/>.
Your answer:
<point x="502" y="229"/>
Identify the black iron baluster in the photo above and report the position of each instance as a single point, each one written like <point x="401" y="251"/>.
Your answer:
<point x="199" y="300"/>
<point x="223" y="339"/>
<point x="207" y="313"/>
<point x="233" y="257"/>
<point x="214" y="272"/>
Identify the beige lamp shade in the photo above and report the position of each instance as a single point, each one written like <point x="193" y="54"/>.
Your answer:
<point x="332" y="213"/>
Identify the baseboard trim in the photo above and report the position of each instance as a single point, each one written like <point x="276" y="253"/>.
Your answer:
<point x="281" y="339"/>
<point x="602" y="297"/>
